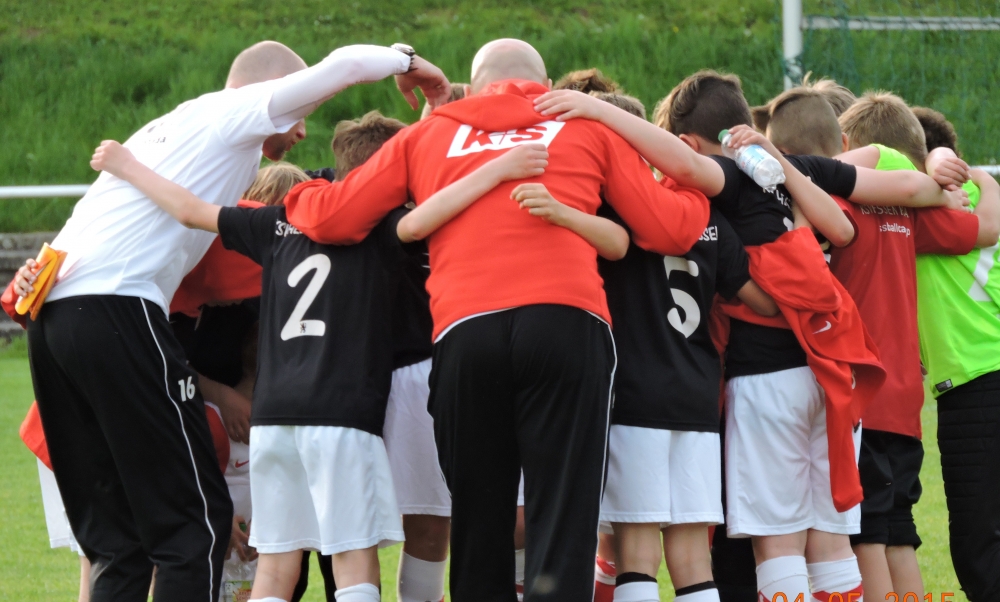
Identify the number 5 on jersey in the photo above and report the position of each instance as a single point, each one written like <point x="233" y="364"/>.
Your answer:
<point x="685" y="301"/>
<point x="296" y="326"/>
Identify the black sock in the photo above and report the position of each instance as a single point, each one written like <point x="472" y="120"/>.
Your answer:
<point x="632" y="578"/>
<point x="697" y="587"/>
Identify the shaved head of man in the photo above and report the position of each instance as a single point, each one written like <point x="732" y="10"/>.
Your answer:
<point x="262" y="62"/>
<point x="507" y="58"/>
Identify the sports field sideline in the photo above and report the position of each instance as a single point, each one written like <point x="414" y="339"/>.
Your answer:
<point x="31" y="572"/>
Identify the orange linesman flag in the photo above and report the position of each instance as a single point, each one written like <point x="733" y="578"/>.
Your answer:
<point x="49" y="261"/>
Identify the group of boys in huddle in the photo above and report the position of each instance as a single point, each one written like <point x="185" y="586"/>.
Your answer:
<point x="764" y="351"/>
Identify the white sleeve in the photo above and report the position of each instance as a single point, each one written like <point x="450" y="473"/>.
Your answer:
<point x="298" y="94"/>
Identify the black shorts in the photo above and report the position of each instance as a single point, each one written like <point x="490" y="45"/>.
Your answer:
<point x="890" y="476"/>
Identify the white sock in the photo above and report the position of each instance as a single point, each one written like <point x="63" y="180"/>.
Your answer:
<point x="836" y="577"/>
<point x="362" y="592"/>
<point x="271" y="599"/>
<point x="709" y="594"/>
<point x="420" y="580"/>
<point x="785" y="574"/>
<point x="519" y="567"/>
<point x="638" y="591"/>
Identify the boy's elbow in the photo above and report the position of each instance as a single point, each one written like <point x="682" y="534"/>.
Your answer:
<point x="842" y="236"/>
<point x="616" y="252"/>
<point x="989" y="233"/>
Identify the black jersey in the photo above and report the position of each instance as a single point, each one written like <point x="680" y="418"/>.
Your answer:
<point x="412" y="325"/>
<point x="325" y="342"/>
<point x="219" y="338"/>
<point x="760" y="217"/>
<point x="668" y="369"/>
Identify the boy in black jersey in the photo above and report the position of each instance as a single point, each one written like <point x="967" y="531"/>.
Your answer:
<point x="664" y="450"/>
<point x="785" y="512"/>
<point x="325" y="367"/>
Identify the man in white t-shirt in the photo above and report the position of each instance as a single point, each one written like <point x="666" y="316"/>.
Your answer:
<point x="124" y="421"/>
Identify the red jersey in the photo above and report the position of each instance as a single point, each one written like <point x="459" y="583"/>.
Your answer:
<point x="494" y="255"/>
<point x="878" y="269"/>
<point x="220" y="276"/>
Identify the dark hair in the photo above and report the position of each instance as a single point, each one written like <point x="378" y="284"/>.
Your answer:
<point x="587" y="81"/>
<point x="704" y="104"/>
<point x="355" y="141"/>
<point x="938" y="131"/>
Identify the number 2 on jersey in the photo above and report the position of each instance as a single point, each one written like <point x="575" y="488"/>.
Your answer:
<point x="692" y="312"/>
<point x="296" y="326"/>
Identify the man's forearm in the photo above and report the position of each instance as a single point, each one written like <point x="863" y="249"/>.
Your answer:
<point x="297" y="95"/>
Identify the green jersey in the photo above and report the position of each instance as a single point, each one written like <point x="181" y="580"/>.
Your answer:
<point x="958" y="314"/>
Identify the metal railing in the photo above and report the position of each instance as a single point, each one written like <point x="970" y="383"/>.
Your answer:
<point x="78" y="190"/>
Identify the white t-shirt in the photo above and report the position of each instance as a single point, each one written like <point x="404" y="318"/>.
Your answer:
<point x="119" y="242"/>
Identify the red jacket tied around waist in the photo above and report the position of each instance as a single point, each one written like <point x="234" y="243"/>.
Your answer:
<point x="839" y="350"/>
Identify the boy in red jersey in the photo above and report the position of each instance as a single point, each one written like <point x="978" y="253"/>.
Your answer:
<point x="879" y="272"/>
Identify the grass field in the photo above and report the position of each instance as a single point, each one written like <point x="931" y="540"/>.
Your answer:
<point x="32" y="572"/>
<point x="73" y="73"/>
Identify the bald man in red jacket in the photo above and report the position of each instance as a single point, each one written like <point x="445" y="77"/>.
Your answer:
<point x="524" y="359"/>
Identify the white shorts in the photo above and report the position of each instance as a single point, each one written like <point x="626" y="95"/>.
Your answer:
<point x="777" y="457"/>
<point x="662" y="476"/>
<point x="60" y="533"/>
<point x="409" y="441"/>
<point x="520" y="491"/>
<point x="323" y="488"/>
<point x="238" y="479"/>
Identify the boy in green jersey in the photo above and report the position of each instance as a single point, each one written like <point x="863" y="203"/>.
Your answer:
<point x="958" y="314"/>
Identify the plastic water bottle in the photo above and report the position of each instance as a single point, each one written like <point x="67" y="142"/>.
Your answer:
<point x="754" y="161"/>
<point x="237" y="577"/>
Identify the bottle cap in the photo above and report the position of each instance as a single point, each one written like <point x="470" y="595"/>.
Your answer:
<point x="723" y="134"/>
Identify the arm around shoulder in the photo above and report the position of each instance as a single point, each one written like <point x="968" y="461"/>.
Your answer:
<point x="988" y="209"/>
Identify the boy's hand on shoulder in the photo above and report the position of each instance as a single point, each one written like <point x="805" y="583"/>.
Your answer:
<point x="111" y="157"/>
<point x="537" y="200"/>
<point x="744" y="135"/>
<point x="524" y="161"/>
<point x="950" y="173"/>
<point x="570" y="104"/>
<point x="958" y="199"/>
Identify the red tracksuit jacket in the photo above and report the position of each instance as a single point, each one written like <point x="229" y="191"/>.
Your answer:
<point x="838" y="347"/>
<point x="494" y="255"/>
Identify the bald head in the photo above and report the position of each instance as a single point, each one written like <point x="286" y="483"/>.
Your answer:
<point x="262" y="62"/>
<point x="507" y="58"/>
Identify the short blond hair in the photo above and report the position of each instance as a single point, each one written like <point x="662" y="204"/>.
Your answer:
<point x="273" y="182"/>
<point x="881" y="117"/>
<point x="801" y="122"/>
<point x="839" y="97"/>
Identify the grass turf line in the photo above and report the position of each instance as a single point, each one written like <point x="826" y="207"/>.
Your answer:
<point x="32" y="572"/>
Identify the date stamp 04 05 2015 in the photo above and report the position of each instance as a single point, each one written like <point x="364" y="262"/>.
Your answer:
<point x="856" y="596"/>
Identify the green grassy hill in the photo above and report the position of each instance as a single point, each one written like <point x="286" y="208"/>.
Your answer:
<point x="73" y="73"/>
